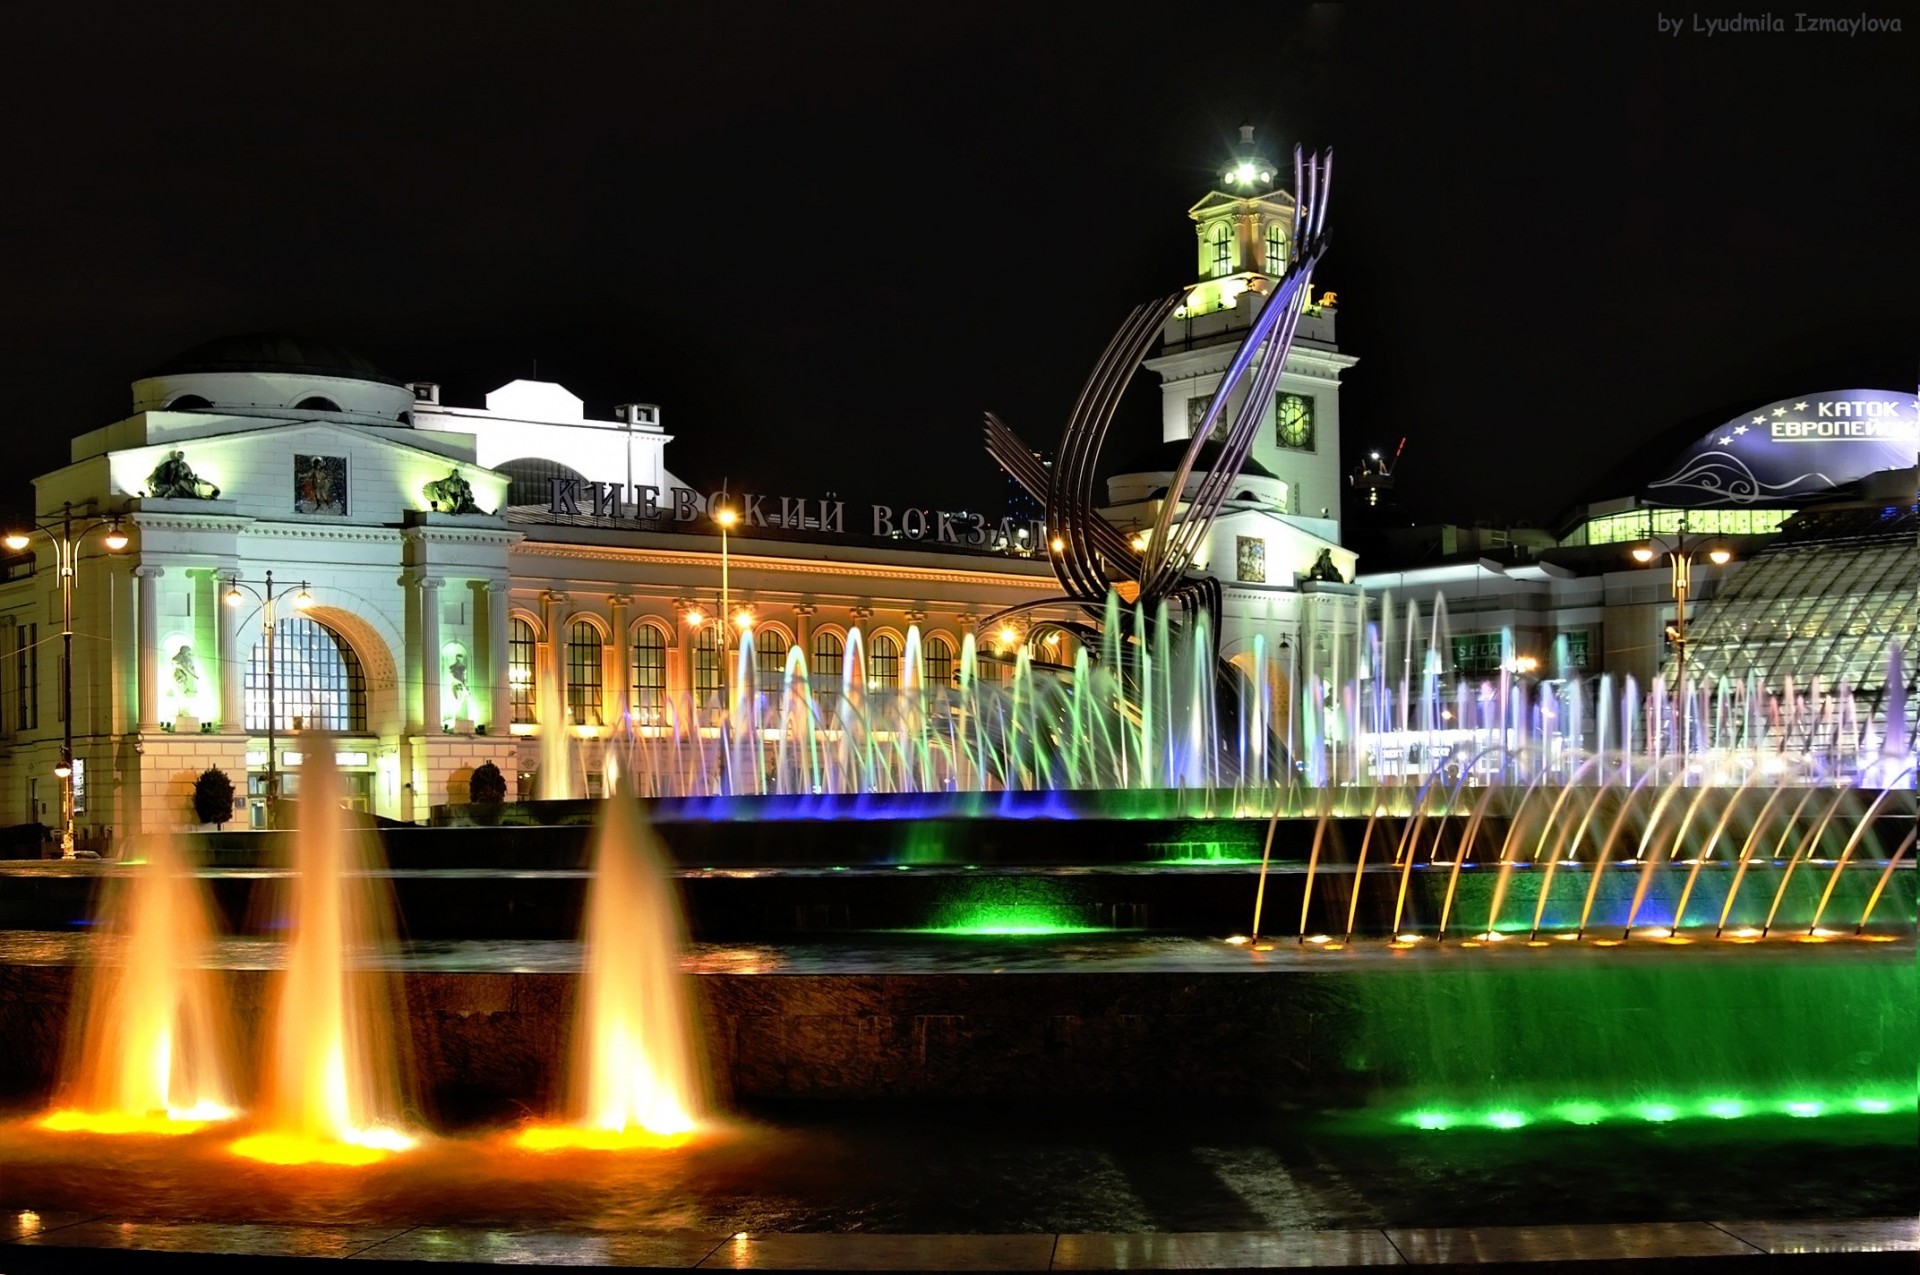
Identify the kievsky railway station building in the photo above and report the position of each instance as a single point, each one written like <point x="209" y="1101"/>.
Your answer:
<point x="449" y="582"/>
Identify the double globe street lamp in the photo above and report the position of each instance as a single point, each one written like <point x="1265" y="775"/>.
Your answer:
<point x="66" y="539"/>
<point x="237" y="591"/>
<point x="1679" y="550"/>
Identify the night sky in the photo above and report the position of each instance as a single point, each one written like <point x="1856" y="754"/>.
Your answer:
<point x="824" y="238"/>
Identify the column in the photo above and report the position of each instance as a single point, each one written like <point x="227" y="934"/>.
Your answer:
<point x="410" y="677"/>
<point x="496" y="659"/>
<point x="148" y="608"/>
<point x="803" y="630"/>
<point x="614" y="674"/>
<point x="553" y="618"/>
<point x="430" y="654"/>
<point x="680" y="680"/>
<point x="232" y="659"/>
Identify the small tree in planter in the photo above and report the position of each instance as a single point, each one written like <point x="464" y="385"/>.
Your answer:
<point x="213" y="797"/>
<point x="486" y="790"/>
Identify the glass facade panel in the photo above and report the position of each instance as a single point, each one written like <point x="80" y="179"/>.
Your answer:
<point x="1806" y="630"/>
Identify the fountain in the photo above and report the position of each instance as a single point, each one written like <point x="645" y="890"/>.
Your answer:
<point x="331" y="1074"/>
<point x="152" y="1049"/>
<point x="638" y="1072"/>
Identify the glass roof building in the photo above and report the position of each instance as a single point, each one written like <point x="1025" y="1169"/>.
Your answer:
<point x="1812" y="625"/>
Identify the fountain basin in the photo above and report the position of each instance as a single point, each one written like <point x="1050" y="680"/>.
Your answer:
<point x="1210" y="899"/>
<point x="921" y="1016"/>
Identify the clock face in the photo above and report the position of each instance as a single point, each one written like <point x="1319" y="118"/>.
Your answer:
<point x="1293" y="415"/>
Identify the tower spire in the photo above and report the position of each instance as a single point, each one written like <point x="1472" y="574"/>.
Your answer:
<point x="1247" y="169"/>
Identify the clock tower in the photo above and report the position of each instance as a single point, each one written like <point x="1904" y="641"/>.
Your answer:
<point x="1243" y="231"/>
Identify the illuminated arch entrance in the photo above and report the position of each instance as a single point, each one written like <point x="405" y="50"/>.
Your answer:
<point x="318" y="681"/>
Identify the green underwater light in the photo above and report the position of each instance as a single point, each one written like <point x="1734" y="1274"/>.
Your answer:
<point x="1579" y="1112"/>
<point x="1008" y="920"/>
<point x="1582" y="1112"/>
<point x="1001" y="908"/>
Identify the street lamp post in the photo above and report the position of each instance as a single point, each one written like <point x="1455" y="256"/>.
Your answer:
<point x="726" y="517"/>
<point x="66" y="549"/>
<point x="263" y="589"/>
<point x="1679" y="552"/>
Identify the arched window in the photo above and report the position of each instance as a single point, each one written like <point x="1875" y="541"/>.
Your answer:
<point x="770" y="648"/>
<point x="1220" y="239"/>
<point x="706" y="665"/>
<point x="520" y="648"/>
<point x="936" y="661"/>
<point x="827" y="667"/>
<point x="189" y="403"/>
<point x="883" y="663"/>
<point x="315" y="403"/>
<point x="318" y="683"/>
<point x="1053" y="647"/>
<point x="583" y="673"/>
<point x="649" y="675"/>
<point x="1276" y="249"/>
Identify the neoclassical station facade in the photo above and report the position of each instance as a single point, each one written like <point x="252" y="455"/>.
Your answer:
<point x="450" y="582"/>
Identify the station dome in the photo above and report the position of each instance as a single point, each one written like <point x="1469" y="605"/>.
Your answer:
<point x="274" y="353"/>
<point x="270" y="373"/>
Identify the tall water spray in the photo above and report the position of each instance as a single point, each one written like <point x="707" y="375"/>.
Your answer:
<point x="556" y="752"/>
<point x="638" y="1072"/>
<point x="152" y="1048"/>
<point x="331" y="1083"/>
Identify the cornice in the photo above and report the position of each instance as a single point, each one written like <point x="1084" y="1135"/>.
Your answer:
<point x="189" y="522"/>
<point x="439" y="535"/>
<point x="302" y="531"/>
<point x="795" y="566"/>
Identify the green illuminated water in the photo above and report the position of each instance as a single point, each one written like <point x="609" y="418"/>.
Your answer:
<point x="1719" y="1107"/>
<point x="1003" y="907"/>
<point x="1207" y="851"/>
<point x="1613" y="1036"/>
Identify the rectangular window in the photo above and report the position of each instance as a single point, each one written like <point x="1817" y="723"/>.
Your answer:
<point x="1579" y="649"/>
<point x="584" y="674"/>
<point x="883" y="663"/>
<point x="706" y="666"/>
<point x="26" y="672"/>
<point x="649" y="675"/>
<point x="770" y="660"/>
<point x="520" y="649"/>
<point x="1476" y="655"/>
<point x="826" y="671"/>
<point x="936" y="663"/>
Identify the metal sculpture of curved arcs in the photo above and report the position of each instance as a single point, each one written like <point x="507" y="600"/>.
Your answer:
<point x="1091" y="556"/>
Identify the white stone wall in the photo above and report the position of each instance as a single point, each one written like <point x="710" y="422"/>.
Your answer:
<point x="540" y="419"/>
